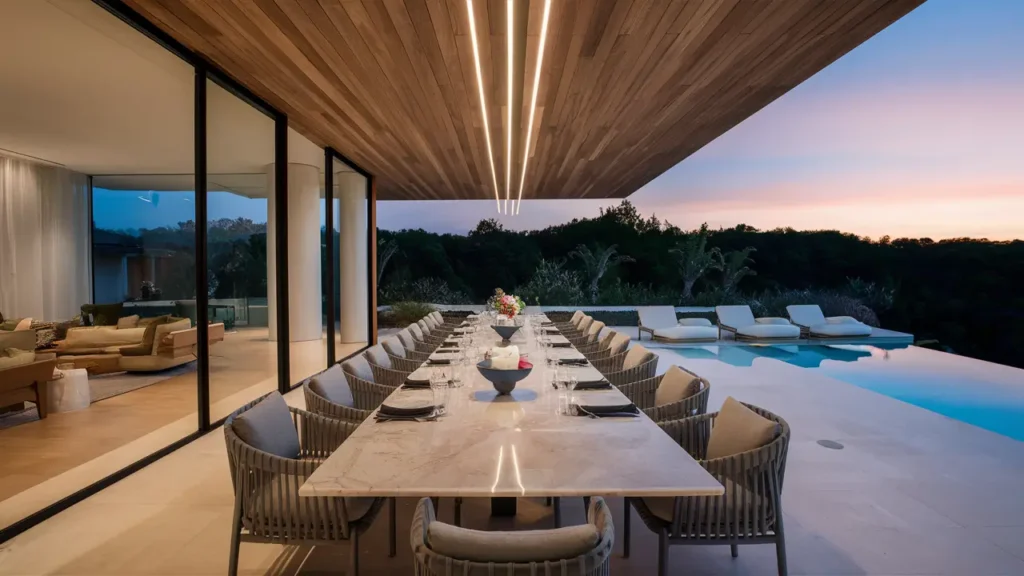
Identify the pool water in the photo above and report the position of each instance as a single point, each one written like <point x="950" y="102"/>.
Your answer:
<point x="984" y="394"/>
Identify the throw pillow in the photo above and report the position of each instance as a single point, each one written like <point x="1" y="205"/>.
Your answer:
<point x="150" y="334"/>
<point x="23" y="324"/>
<point x="332" y="386"/>
<point x="676" y="385"/>
<point x="268" y="426"/>
<point x="9" y="325"/>
<point x="128" y="322"/>
<point x="738" y="429"/>
<point x="636" y="356"/>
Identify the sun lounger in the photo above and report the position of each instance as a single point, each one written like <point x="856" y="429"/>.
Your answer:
<point x="660" y="322"/>
<point x="813" y="323"/>
<point x="740" y="321"/>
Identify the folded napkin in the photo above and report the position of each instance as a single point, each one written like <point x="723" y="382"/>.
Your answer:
<point x="387" y="410"/>
<point x="449" y="345"/>
<point x="557" y="344"/>
<point x="439" y="360"/>
<point x="506" y="358"/>
<point x="550" y="329"/>
<point x="573" y="361"/>
<point x="597" y="384"/>
<point x="607" y="411"/>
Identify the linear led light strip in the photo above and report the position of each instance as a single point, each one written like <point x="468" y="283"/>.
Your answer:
<point x="533" y="100"/>
<point x="510" y="58"/>
<point x="483" y="100"/>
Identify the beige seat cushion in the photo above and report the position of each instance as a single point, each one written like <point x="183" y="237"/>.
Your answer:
<point x="636" y="356"/>
<point x="738" y="429"/>
<point x="676" y="385"/>
<point x="102" y="337"/>
<point x="523" y="546"/>
<point x="23" y="340"/>
<point x="128" y="322"/>
<point x="164" y="329"/>
<point x="405" y="337"/>
<point x="618" y="344"/>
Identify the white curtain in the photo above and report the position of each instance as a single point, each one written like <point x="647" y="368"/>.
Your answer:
<point x="44" y="241"/>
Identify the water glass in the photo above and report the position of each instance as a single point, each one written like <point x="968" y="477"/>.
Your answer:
<point x="440" y="389"/>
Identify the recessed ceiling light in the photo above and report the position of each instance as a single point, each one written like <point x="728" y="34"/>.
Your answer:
<point x="533" y="100"/>
<point x="483" y="99"/>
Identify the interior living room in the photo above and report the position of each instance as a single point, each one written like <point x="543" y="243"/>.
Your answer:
<point x="104" y="359"/>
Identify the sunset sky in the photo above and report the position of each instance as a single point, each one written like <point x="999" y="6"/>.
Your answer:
<point x="917" y="132"/>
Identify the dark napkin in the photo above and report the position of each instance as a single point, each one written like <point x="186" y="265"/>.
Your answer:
<point x="386" y="410"/>
<point x="600" y="384"/>
<point x="560" y="344"/>
<point x="573" y="361"/>
<point x="452" y="345"/>
<point x="607" y="410"/>
<point x="439" y="361"/>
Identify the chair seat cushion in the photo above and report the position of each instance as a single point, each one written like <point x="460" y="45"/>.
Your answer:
<point x="738" y="429"/>
<point x="687" y="333"/>
<point x="676" y="385"/>
<point x="736" y="499"/>
<point x="769" y="331"/>
<point x="333" y="386"/>
<point x="525" y="546"/>
<point x="268" y="426"/>
<point x="841" y="329"/>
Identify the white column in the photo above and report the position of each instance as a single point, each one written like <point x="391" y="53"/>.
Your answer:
<point x="305" y="321"/>
<point x="353" y="264"/>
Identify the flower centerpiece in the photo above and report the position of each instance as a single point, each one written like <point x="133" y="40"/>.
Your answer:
<point x="508" y="305"/>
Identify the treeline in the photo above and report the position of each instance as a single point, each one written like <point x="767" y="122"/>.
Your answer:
<point x="962" y="295"/>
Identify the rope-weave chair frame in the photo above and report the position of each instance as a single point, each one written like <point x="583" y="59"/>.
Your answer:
<point x="368" y="395"/>
<point x="317" y="404"/>
<point x="388" y="376"/>
<point x="406" y="364"/>
<point x="596" y="562"/>
<point x="642" y="393"/>
<point x="750" y="511"/>
<point x="268" y="508"/>
<point x="646" y="369"/>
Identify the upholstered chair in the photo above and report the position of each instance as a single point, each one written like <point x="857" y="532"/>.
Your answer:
<point x="412" y="351"/>
<point x="678" y="393"/>
<point x="744" y="447"/>
<point x="367" y="394"/>
<point x="638" y="363"/>
<point x="384" y="370"/>
<point x="441" y="549"/>
<point x="272" y="450"/>
<point x="328" y="394"/>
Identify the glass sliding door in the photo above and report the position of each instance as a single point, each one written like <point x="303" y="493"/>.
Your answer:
<point x="95" y="289"/>
<point x="240" y="252"/>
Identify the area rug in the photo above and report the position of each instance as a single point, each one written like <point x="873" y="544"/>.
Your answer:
<point x="102" y="387"/>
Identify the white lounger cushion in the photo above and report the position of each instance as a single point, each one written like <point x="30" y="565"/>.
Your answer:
<point x="841" y="329"/>
<point x="687" y="333"/>
<point x="695" y="322"/>
<point x="657" y="316"/>
<point x="769" y="331"/>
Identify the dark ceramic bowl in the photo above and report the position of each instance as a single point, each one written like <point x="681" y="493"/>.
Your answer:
<point x="504" y="381"/>
<point x="505" y="332"/>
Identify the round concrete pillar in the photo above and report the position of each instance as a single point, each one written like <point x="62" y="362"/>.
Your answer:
<point x="352" y="256"/>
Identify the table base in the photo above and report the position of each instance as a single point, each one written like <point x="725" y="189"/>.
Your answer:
<point x="503" y="506"/>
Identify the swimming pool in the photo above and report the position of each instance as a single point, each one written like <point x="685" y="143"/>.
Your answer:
<point x="984" y="394"/>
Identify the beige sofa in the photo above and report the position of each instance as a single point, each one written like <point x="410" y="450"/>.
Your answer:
<point x="100" y="348"/>
<point x="25" y="381"/>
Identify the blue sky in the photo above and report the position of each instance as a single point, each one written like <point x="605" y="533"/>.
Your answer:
<point x="917" y="132"/>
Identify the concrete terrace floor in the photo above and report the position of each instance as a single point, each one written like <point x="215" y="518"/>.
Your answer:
<point x="912" y="492"/>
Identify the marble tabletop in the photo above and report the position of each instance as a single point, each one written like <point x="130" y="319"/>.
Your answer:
<point x="489" y="445"/>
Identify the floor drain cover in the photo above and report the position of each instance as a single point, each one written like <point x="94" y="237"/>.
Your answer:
<point x="831" y="444"/>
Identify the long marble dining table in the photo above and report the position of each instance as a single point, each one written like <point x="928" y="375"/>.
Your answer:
<point x="508" y="446"/>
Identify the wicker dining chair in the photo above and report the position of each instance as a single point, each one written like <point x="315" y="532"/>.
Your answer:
<point x="421" y="342"/>
<point x="328" y="394"/>
<point x="750" y="511"/>
<point x="272" y="450"/>
<point x="591" y="336"/>
<point x="399" y="356"/>
<point x="616" y="344"/>
<point x="637" y="365"/>
<point x="678" y="393"/>
<point x="428" y="333"/>
<point x="601" y="345"/>
<point x="366" y="393"/>
<point x="384" y="371"/>
<point x="442" y="550"/>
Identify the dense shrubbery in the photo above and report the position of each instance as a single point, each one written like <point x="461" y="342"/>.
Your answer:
<point x="430" y="290"/>
<point x="964" y="293"/>
<point x="405" y="313"/>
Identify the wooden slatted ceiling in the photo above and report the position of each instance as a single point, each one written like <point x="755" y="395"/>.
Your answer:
<point x="629" y="87"/>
